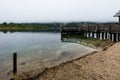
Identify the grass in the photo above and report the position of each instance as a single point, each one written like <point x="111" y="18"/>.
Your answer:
<point x="91" y="42"/>
<point x="95" y="42"/>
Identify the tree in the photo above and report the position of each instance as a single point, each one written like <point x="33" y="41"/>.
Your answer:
<point x="4" y="23"/>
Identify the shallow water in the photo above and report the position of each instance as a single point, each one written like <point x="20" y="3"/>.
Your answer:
<point x="36" y="47"/>
<point x="27" y="44"/>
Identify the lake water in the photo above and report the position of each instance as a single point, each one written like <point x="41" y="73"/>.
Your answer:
<point x="36" y="49"/>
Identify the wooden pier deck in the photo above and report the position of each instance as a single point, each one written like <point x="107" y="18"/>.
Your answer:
<point x="101" y="31"/>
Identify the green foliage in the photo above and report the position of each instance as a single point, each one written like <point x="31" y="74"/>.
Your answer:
<point x="29" y="26"/>
<point x="4" y="23"/>
<point x="96" y="42"/>
<point x="40" y="26"/>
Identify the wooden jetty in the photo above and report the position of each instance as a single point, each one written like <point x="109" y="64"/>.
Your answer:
<point x="101" y="31"/>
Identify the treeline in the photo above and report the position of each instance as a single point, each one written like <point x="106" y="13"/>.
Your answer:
<point x="35" y="27"/>
<point x="76" y="24"/>
<point x="30" y="26"/>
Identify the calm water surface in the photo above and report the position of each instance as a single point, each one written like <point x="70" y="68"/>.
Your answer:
<point x="27" y="44"/>
<point x="35" y="48"/>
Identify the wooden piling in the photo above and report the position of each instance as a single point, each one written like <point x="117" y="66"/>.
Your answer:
<point x="111" y="36"/>
<point x="103" y="32"/>
<point x="14" y="63"/>
<point x="105" y="35"/>
<point x="114" y="37"/>
<point x="88" y="34"/>
<point x="85" y="34"/>
<point x="67" y="35"/>
<point x="98" y="35"/>
<point x="76" y="35"/>
<point x="118" y="36"/>
<point x="92" y="34"/>
<point x="82" y="33"/>
<point x="61" y="36"/>
<point x="119" y="19"/>
<point x="102" y="36"/>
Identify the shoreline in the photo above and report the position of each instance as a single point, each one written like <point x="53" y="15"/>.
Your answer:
<point x="101" y="65"/>
<point x="30" y="65"/>
<point x="35" y="75"/>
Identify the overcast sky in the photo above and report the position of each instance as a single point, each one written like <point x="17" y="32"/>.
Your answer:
<point x="58" y="10"/>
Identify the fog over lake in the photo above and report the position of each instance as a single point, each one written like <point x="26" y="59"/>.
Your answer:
<point x="58" y="10"/>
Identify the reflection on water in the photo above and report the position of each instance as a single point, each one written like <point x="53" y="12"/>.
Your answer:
<point x="36" y="49"/>
<point x="27" y="43"/>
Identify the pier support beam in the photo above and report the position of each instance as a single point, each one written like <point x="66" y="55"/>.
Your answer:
<point x="62" y="37"/>
<point x="92" y="34"/>
<point x="81" y="33"/>
<point x="88" y="34"/>
<point x="67" y="35"/>
<point x="85" y="34"/>
<point x="98" y="35"/>
<point x="114" y="37"/>
<point x="111" y="36"/>
<point x="106" y="35"/>
<point x="118" y="36"/>
<point x="102" y="36"/>
<point x="76" y="34"/>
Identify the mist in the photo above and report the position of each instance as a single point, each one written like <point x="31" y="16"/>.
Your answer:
<point x="58" y="10"/>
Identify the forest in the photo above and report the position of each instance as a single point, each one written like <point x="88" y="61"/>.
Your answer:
<point x="36" y="27"/>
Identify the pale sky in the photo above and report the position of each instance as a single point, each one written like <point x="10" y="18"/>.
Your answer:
<point x="58" y="10"/>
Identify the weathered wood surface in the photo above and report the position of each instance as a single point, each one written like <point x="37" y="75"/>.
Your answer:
<point x="93" y="28"/>
<point x="102" y="31"/>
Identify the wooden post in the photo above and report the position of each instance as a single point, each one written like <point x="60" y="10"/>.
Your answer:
<point x="119" y="19"/>
<point x="114" y="34"/>
<point x="92" y="34"/>
<point x="98" y="35"/>
<point x="76" y="35"/>
<point x="106" y="35"/>
<point x="79" y="33"/>
<point x="111" y="36"/>
<point x="61" y="33"/>
<point x="82" y="33"/>
<point x="67" y="35"/>
<point x="118" y="36"/>
<point x="85" y="34"/>
<point x="14" y="63"/>
<point x="102" y="36"/>
<point x="61" y="36"/>
<point x="88" y="34"/>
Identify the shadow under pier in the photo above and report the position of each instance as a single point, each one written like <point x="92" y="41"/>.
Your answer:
<point x="101" y="31"/>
